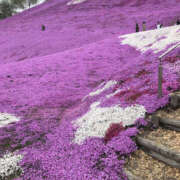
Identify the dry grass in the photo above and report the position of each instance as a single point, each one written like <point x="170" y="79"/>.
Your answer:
<point x="172" y="115"/>
<point x="148" y="168"/>
<point x="168" y="138"/>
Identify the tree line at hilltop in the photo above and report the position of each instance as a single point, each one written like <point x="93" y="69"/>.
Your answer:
<point x="9" y="7"/>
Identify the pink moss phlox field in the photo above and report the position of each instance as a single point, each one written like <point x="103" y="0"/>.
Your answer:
<point x="50" y="101"/>
<point x="77" y="25"/>
<point x="46" y="75"/>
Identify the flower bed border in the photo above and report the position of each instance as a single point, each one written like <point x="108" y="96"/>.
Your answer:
<point x="166" y="122"/>
<point x="131" y="176"/>
<point x="175" y="99"/>
<point x="159" y="152"/>
<point x="165" y="126"/>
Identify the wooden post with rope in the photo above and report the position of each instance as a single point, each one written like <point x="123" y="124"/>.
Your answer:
<point x="160" y="70"/>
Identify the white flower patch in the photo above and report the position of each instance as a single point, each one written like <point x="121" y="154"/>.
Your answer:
<point x="156" y="40"/>
<point x="100" y="90"/>
<point x="95" y="122"/>
<point x="6" y="118"/>
<point x="112" y="94"/>
<point x="75" y="2"/>
<point x="9" y="164"/>
<point x="106" y="86"/>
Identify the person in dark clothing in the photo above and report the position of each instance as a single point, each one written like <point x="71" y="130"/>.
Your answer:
<point x="43" y="27"/>
<point x="178" y="22"/>
<point x="137" y="27"/>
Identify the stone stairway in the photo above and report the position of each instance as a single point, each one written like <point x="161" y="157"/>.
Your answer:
<point x="158" y="154"/>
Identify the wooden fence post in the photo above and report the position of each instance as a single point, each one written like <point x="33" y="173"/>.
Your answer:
<point x="160" y="69"/>
<point x="160" y="79"/>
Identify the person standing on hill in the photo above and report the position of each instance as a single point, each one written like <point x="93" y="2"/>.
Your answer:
<point x="158" y="26"/>
<point x="144" y="25"/>
<point x="28" y="3"/>
<point x="178" y="22"/>
<point x="43" y="27"/>
<point x="137" y="27"/>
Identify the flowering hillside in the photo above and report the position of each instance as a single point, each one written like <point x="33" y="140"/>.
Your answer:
<point x="71" y="26"/>
<point x="73" y="84"/>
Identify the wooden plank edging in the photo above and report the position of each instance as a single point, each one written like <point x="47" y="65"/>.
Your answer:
<point x="131" y="176"/>
<point x="164" y="120"/>
<point x="167" y="161"/>
<point x="171" y="122"/>
<point x="175" y="100"/>
<point x="160" y="149"/>
<point x="171" y="127"/>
